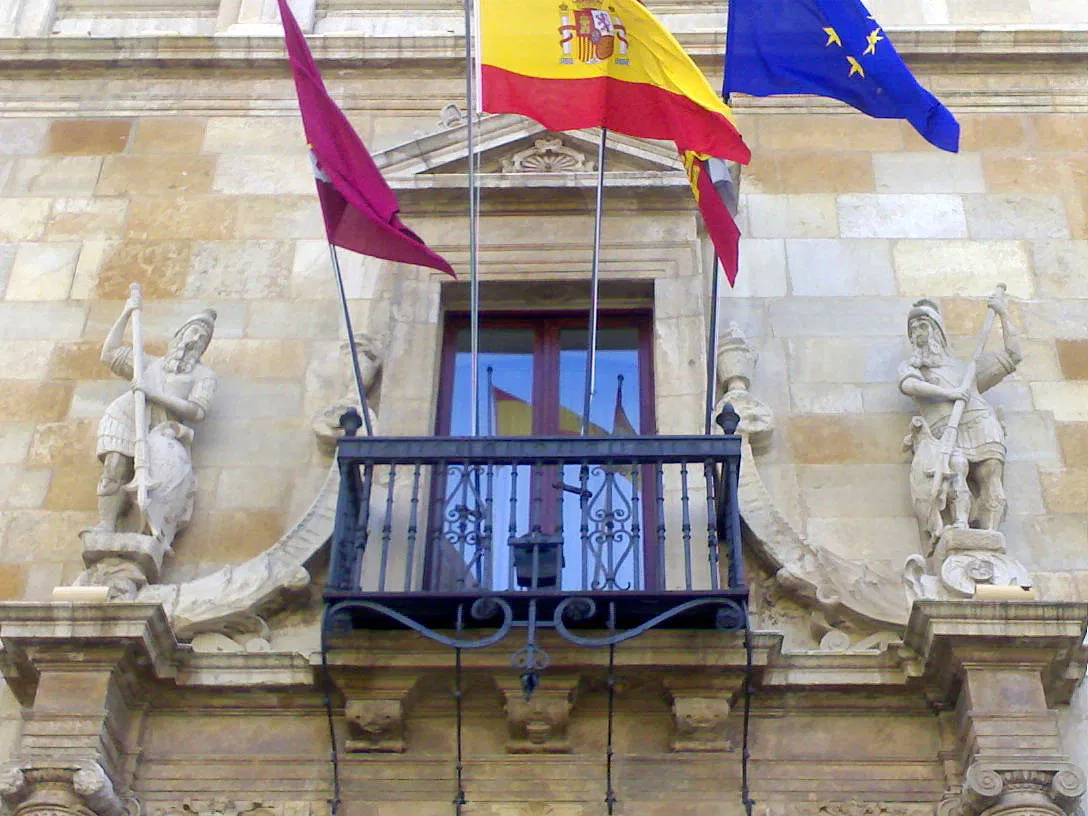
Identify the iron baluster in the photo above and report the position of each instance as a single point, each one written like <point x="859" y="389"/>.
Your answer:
<point x="583" y="524"/>
<point x="659" y="486"/>
<point x="636" y="530"/>
<point x="387" y="527"/>
<point x="712" y="525"/>
<point x="513" y="525"/>
<point x="486" y="541"/>
<point x="685" y="523"/>
<point x="412" y="531"/>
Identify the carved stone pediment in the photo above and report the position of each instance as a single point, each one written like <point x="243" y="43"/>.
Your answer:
<point x="516" y="152"/>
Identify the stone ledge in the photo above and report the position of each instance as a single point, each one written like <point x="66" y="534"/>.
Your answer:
<point x="346" y="49"/>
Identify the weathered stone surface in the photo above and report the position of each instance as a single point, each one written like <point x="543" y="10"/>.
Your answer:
<point x="254" y="135"/>
<point x="1068" y="401"/>
<point x="1016" y="216"/>
<point x="762" y="269"/>
<point x="1073" y="440"/>
<point x="259" y="359"/>
<point x="794" y="216"/>
<point x="928" y="173"/>
<point x="1073" y="358"/>
<point x="23" y="136"/>
<point x="902" y="216"/>
<point x="170" y="134"/>
<point x="27" y="400"/>
<point x="826" y="439"/>
<point x="279" y="174"/>
<point x="839" y="268"/>
<point x="24" y="359"/>
<point x="1059" y="268"/>
<point x="87" y="219"/>
<point x="88" y="137"/>
<point x="160" y="267"/>
<point x="156" y="175"/>
<point x="191" y="217"/>
<point x="939" y="268"/>
<point x="42" y="272"/>
<point x="21" y="488"/>
<point x="1065" y="491"/>
<point x="828" y="132"/>
<point x="239" y="269"/>
<point x="23" y="219"/>
<point x="54" y="175"/>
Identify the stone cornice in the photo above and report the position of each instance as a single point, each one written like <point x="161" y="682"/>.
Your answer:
<point x="1045" y="636"/>
<point x="348" y="50"/>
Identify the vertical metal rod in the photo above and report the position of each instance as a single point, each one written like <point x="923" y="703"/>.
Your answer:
<point x="610" y="793"/>
<point x="413" y="529"/>
<point x="473" y="219"/>
<point x="745" y="757"/>
<point x="351" y="342"/>
<point x="636" y="529"/>
<point x="459" y="799"/>
<point x="326" y="693"/>
<point x="713" y="554"/>
<point x="591" y="353"/>
<point x="685" y="523"/>
<point x="387" y="528"/>
<point x="712" y="346"/>
<point x="736" y="548"/>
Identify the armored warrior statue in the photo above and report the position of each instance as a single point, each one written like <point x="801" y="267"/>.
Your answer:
<point x="144" y="435"/>
<point x="958" y="439"/>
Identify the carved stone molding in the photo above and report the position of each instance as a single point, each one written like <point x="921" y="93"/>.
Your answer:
<point x="853" y="807"/>
<point x="547" y="155"/>
<point x="700" y="707"/>
<point x="43" y="788"/>
<point x="231" y="807"/>
<point x="539" y="725"/>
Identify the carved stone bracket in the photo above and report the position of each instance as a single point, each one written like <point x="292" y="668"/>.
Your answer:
<point x="700" y="709"/>
<point x="33" y="788"/>
<point x="539" y="725"/>
<point x="376" y="705"/>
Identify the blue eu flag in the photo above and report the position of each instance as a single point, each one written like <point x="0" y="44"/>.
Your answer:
<point x="830" y="48"/>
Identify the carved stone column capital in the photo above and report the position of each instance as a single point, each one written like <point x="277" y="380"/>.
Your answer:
<point x="994" y="790"/>
<point x="700" y="707"/>
<point x="538" y="725"/>
<point x="60" y="789"/>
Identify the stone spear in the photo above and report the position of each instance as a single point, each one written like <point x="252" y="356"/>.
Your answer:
<point x="948" y="438"/>
<point x="141" y="465"/>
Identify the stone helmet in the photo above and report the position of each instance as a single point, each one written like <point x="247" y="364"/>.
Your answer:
<point x="206" y="318"/>
<point x="928" y="310"/>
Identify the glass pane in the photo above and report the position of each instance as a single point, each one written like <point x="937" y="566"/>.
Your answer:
<point x="480" y="502"/>
<point x="505" y="383"/>
<point x="602" y="527"/>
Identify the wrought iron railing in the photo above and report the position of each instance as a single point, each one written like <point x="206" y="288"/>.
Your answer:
<point x="425" y="525"/>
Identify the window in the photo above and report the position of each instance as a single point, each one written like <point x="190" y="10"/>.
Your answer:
<point x="531" y="379"/>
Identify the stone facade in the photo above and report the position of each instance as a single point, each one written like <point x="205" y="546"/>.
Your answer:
<point x="159" y="143"/>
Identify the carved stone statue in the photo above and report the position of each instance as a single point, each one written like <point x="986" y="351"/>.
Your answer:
<point x="143" y="444"/>
<point x="178" y="389"/>
<point x="957" y="474"/>
<point x="326" y="422"/>
<point x="958" y="439"/>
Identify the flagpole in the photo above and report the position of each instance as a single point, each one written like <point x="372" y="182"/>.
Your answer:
<point x="712" y="344"/>
<point x="351" y="341"/>
<point x="473" y="222"/>
<point x="591" y="358"/>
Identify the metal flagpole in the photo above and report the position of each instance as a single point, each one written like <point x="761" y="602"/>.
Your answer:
<point x="473" y="224"/>
<point x="712" y="344"/>
<point x="351" y="342"/>
<point x="591" y="354"/>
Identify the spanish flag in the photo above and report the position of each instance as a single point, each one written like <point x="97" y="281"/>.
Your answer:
<point x="572" y="64"/>
<point x="720" y="226"/>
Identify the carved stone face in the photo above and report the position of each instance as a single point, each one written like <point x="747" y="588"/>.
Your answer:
<point x="927" y="340"/>
<point x="187" y="347"/>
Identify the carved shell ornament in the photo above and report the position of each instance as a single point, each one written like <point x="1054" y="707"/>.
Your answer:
<point x="547" y="155"/>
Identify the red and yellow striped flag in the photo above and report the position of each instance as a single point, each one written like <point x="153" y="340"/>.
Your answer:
<point x="571" y="64"/>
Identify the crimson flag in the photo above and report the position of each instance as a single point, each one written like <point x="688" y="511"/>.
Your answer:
<point x="361" y="211"/>
<point x="720" y="225"/>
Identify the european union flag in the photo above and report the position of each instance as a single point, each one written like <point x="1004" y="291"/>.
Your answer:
<point x="830" y="48"/>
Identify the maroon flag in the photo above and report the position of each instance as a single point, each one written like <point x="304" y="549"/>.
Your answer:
<point x="719" y="221"/>
<point x="361" y="212"/>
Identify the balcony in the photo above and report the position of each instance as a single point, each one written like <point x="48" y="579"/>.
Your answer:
<point x="597" y="538"/>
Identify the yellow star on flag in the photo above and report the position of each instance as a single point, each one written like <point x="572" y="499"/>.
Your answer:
<point x="832" y="37"/>
<point x="855" y="67"/>
<point x="873" y="38"/>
